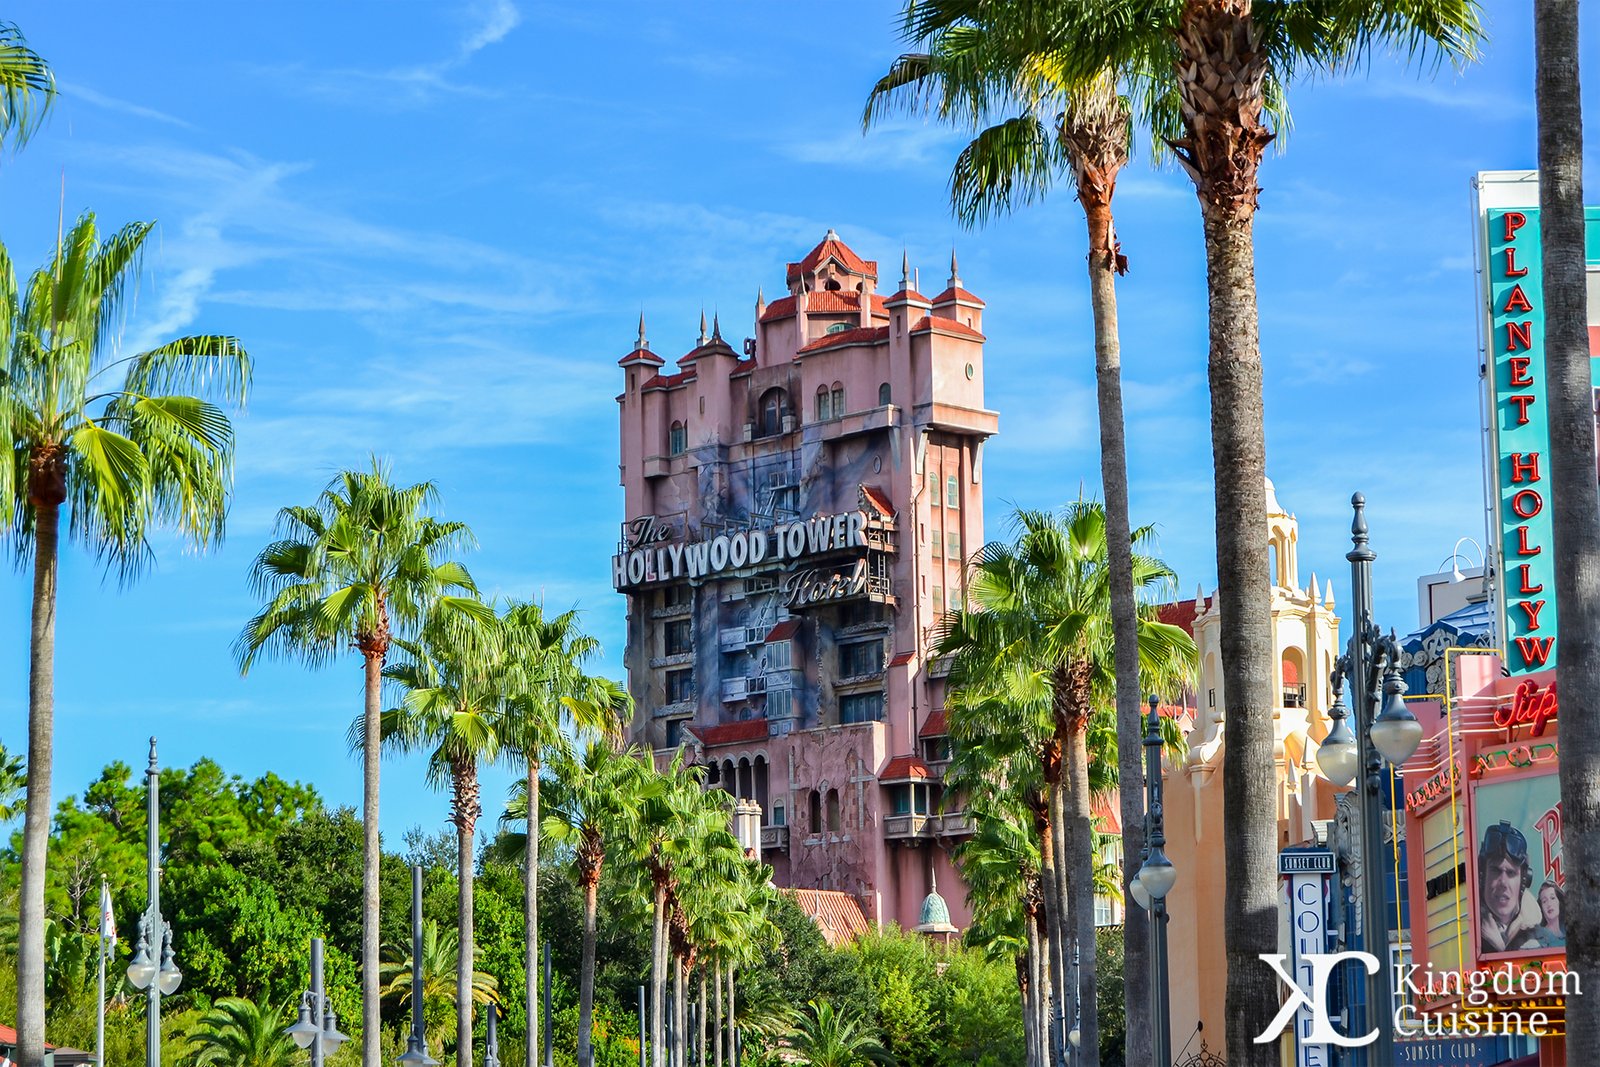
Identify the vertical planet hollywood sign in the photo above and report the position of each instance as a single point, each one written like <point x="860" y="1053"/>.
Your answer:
<point x="1520" y="420"/>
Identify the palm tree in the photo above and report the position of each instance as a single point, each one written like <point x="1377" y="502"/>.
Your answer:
<point x="1210" y="77"/>
<point x="454" y="681"/>
<point x="1049" y="126"/>
<point x="1039" y="645"/>
<point x="27" y="88"/>
<point x="824" y="1037"/>
<point x="593" y="798"/>
<point x="441" y="965"/>
<point x="13" y="785"/>
<point x="237" y="1032"/>
<point x="361" y="565"/>
<point x="1576" y="530"/>
<point x="551" y="689"/>
<point x="121" y="456"/>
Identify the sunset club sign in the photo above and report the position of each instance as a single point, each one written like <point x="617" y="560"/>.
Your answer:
<point x="654" y="553"/>
<point x="1521" y="427"/>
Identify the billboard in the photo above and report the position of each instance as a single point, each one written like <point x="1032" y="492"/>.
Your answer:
<point x="1519" y="886"/>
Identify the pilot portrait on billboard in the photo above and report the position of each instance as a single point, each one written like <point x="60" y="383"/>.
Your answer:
<point x="1521" y="893"/>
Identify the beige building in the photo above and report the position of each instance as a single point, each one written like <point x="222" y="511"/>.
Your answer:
<point x="1306" y="634"/>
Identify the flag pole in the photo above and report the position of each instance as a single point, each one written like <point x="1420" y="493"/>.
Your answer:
<point x="100" y="1016"/>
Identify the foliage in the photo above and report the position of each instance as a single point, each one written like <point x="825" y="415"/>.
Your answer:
<point x="241" y="1033"/>
<point x="827" y="1037"/>
<point x="1112" y="1012"/>
<point x="13" y="785"/>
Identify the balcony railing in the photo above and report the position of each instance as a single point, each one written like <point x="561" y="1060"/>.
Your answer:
<point x="904" y="827"/>
<point x="1294" y="696"/>
<point x="775" y="837"/>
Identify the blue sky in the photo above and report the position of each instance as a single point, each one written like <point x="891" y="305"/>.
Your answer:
<point x="435" y="226"/>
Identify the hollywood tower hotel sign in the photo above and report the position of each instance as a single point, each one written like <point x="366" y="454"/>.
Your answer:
<point x="799" y="505"/>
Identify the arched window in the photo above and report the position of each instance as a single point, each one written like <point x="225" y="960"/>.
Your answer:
<point x="824" y="404"/>
<point x="833" y="811"/>
<point x="774" y="408"/>
<point x="833" y="285"/>
<point x="815" y="825"/>
<point x="883" y="394"/>
<point x="677" y="439"/>
<point x="838" y="400"/>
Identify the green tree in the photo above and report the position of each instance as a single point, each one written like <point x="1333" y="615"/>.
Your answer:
<point x="549" y="690"/>
<point x="364" y="563"/>
<point x="1576" y="530"/>
<point x="1039" y="644"/>
<point x="27" y="87"/>
<point x="453" y="680"/>
<point x="1032" y="126"/>
<point x="594" y="795"/>
<point x="13" y="784"/>
<point x="121" y="444"/>
<point x="242" y="1033"/>
<point x="825" y="1037"/>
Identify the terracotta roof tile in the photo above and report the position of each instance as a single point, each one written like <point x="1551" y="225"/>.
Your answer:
<point x="940" y="324"/>
<point x="950" y="296"/>
<point x="838" y="915"/>
<point x="900" y="659"/>
<point x="934" y="725"/>
<point x="670" y="381"/>
<point x="784" y="630"/>
<point x="902" y="768"/>
<point x="731" y="733"/>
<point x="878" y="499"/>
<point x="1180" y="613"/>
<point x="832" y="248"/>
<point x="861" y="335"/>
<point x="824" y="302"/>
<point x="641" y="353"/>
<point x="905" y="295"/>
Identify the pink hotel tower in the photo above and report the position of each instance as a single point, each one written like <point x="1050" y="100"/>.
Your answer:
<point x="798" y="513"/>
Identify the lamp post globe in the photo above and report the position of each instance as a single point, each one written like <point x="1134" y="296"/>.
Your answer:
<point x="1158" y="875"/>
<point x="304" y="1031"/>
<point x="1337" y="757"/>
<point x="1395" y="733"/>
<point x="1136" y="890"/>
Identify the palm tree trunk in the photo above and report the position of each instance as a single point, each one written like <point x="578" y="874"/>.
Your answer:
<point x="591" y="904"/>
<point x="1027" y="993"/>
<point x="700" y="1024"/>
<point x="658" y="976"/>
<point x="1250" y="910"/>
<point x="716" y="1037"/>
<point x="371" y="842"/>
<point x="1221" y="70"/>
<point x="1055" y="928"/>
<point x="1080" y="868"/>
<point x="733" y="1025"/>
<point x="36" y="817"/>
<point x="1124" y="609"/>
<point x="530" y="915"/>
<point x="464" y="778"/>
<point x="680" y="1013"/>
<point x="1574" y="493"/>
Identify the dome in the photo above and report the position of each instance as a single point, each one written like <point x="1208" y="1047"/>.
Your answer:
<point x="935" y="917"/>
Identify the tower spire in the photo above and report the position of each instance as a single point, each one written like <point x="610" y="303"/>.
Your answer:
<point x="761" y="301"/>
<point x="905" y="270"/>
<point x="955" y="275"/>
<point x="703" y="337"/>
<point x="643" y="343"/>
<point x="716" y="327"/>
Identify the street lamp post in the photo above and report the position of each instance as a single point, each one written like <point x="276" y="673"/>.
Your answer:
<point x="152" y="966"/>
<point x="491" y="1043"/>
<point x="1385" y="730"/>
<point x="1155" y="880"/>
<point x="315" y="1029"/>
<point x="416" y="1054"/>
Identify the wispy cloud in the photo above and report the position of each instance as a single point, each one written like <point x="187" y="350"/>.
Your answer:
<point x="895" y="145"/>
<point x="411" y="84"/>
<point x="125" y="107"/>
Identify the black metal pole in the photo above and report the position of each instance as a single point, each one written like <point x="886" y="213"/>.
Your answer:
<point x="549" y="1049"/>
<point x="1367" y="694"/>
<point x="1161" y="1037"/>
<point x="152" y="777"/>
<point x="418" y="1024"/>
<point x="318" y="1005"/>
<point x="643" y="1052"/>
<point x="491" y="1044"/>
